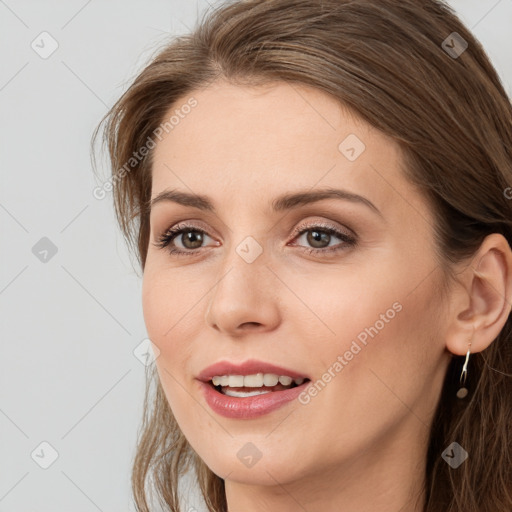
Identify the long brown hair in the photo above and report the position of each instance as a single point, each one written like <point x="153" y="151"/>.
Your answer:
<point x="399" y="65"/>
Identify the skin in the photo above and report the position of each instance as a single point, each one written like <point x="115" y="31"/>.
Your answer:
<point x="360" y="444"/>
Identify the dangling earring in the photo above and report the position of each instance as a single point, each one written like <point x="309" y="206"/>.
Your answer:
<point x="463" y="391"/>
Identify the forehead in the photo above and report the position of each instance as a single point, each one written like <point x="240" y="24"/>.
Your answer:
<point x="244" y="142"/>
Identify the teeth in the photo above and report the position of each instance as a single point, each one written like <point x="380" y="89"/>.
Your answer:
<point x="256" y="380"/>
<point x="244" y="394"/>
<point x="236" y="381"/>
<point x="253" y="381"/>
<point x="270" y="379"/>
<point x="220" y="381"/>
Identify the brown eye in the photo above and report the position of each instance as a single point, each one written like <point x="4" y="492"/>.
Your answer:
<point x="187" y="240"/>
<point x="191" y="239"/>
<point x="318" y="237"/>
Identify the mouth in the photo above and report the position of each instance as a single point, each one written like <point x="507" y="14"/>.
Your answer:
<point x="250" y="389"/>
<point x="244" y="386"/>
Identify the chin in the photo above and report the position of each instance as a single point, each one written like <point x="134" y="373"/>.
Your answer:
<point x="262" y="473"/>
<point x="247" y="464"/>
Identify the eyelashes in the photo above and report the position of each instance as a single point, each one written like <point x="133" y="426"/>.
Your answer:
<point x="166" y="240"/>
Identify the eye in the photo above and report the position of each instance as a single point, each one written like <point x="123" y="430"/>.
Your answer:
<point x="318" y="236"/>
<point x="191" y="242"/>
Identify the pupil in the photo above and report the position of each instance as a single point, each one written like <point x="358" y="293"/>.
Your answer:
<point x="316" y="238"/>
<point x="195" y="238"/>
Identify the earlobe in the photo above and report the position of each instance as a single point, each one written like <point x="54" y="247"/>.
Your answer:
<point x="488" y="289"/>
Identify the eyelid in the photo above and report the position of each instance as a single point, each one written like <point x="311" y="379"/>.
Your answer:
<point x="176" y="229"/>
<point x="346" y="235"/>
<point x="323" y="224"/>
<point x="200" y="226"/>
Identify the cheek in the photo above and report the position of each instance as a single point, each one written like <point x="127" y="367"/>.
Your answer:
<point x="165" y="318"/>
<point x="167" y="301"/>
<point x="398" y="356"/>
<point x="156" y="301"/>
<point x="164" y="312"/>
<point x="381" y="326"/>
<point x="338" y="306"/>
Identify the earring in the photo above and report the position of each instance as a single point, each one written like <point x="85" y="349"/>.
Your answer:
<point x="463" y="391"/>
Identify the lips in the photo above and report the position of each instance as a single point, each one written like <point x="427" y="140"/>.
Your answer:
<point x="250" y="403"/>
<point x="252" y="407"/>
<point x="249" y="367"/>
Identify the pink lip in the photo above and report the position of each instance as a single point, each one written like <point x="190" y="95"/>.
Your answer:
<point x="247" y="407"/>
<point x="251" y="406"/>
<point x="249" y="367"/>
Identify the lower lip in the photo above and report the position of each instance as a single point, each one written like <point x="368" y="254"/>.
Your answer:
<point x="251" y="406"/>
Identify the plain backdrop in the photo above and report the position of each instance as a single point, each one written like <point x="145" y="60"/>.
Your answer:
<point x="72" y="330"/>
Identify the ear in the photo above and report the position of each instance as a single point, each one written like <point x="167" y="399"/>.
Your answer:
<point x="481" y="307"/>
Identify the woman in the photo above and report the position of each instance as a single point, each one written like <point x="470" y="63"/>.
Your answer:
<point x="319" y="194"/>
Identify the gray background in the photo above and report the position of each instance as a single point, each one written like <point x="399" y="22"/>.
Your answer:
<point x="71" y="321"/>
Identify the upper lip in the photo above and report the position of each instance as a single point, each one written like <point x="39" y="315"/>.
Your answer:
<point x="249" y="367"/>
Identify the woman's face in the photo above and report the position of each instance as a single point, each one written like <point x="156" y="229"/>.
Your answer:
<point x="356" y="310"/>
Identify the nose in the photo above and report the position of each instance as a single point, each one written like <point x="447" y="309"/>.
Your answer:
<point x="244" y="299"/>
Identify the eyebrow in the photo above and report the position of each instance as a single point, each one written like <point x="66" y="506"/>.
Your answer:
<point x="284" y="202"/>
